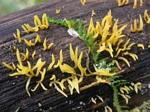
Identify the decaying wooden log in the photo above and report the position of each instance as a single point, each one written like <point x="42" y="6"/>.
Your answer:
<point x="12" y="89"/>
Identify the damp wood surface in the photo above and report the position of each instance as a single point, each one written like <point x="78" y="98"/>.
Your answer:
<point x="12" y="89"/>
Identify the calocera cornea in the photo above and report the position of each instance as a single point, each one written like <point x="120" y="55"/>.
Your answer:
<point x="146" y="17"/>
<point x="57" y="11"/>
<point x="45" y="47"/>
<point x="83" y="2"/>
<point x="17" y="36"/>
<point x="135" y="28"/>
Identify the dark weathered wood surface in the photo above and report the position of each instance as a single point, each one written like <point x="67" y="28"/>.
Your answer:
<point x="12" y="89"/>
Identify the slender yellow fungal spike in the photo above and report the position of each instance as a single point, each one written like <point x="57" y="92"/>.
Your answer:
<point x="68" y="23"/>
<point x="61" y="56"/>
<point x="25" y="55"/>
<point x="130" y="45"/>
<point x="133" y="29"/>
<point x="126" y="99"/>
<point x="127" y="2"/>
<point x="148" y="46"/>
<point x="99" y="79"/>
<point x="38" y="39"/>
<point x="83" y="2"/>
<point x="37" y="22"/>
<point x="137" y="86"/>
<point x="50" y="45"/>
<point x="44" y="45"/>
<point x="121" y="3"/>
<point x="18" y="57"/>
<point x="72" y="55"/>
<point x="45" y="23"/>
<point x="33" y="54"/>
<point x="57" y="11"/>
<point x="118" y="45"/>
<point x="59" y="90"/>
<point x="25" y="29"/>
<point x="116" y="62"/>
<point x="17" y="36"/>
<point x="141" y="2"/>
<point x="146" y="17"/>
<point x="100" y="98"/>
<point x="8" y="66"/>
<point x="141" y="24"/>
<point x="29" y="43"/>
<point x="52" y="63"/>
<point x="92" y="99"/>
<point x="90" y="28"/>
<point x="108" y="108"/>
<point x="38" y="66"/>
<point x="140" y="45"/>
<point x="135" y="4"/>
<point x="125" y="60"/>
<point x="99" y="28"/>
<point x="27" y="86"/>
<point x="93" y="13"/>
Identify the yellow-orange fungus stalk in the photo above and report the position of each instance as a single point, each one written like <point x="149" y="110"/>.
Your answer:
<point x="27" y="28"/>
<point x="60" y="61"/>
<point x="55" y="82"/>
<point x="141" y="24"/>
<point x="38" y="39"/>
<point x="26" y="55"/>
<point x="83" y="2"/>
<point x="38" y="66"/>
<point x="57" y="11"/>
<point x="45" y="23"/>
<point x="8" y="66"/>
<point x="18" y="57"/>
<point x="121" y="2"/>
<point x="127" y="2"/>
<point x="37" y="22"/>
<point x="93" y="13"/>
<point x="90" y="28"/>
<point x="146" y="17"/>
<point x="141" y="2"/>
<point x="17" y="36"/>
<point x="141" y="45"/>
<point x="52" y="63"/>
<point x="33" y="54"/>
<point x="29" y="43"/>
<point x="135" y="4"/>
<point x="40" y="81"/>
<point x="133" y="28"/>
<point x="125" y="60"/>
<point x="102" y="72"/>
<point x="68" y="23"/>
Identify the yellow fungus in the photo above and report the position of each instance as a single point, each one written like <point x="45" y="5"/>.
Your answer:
<point x="57" y="11"/>
<point x="137" y="86"/>
<point x="37" y="22"/>
<point x="116" y="62"/>
<point x="38" y="39"/>
<point x="134" y="56"/>
<point x="14" y="66"/>
<point x="148" y="46"/>
<point x="50" y="45"/>
<point x="52" y="63"/>
<point x="135" y="4"/>
<point x="102" y="72"/>
<point x="40" y="81"/>
<point x="18" y="57"/>
<point x="121" y="3"/>
<point x="108" y="108"/>
<point x="122" y="89"/>
<point x="17" y="36"/>
<point x="141" y="24"/>
<point x="146" y="17"/>
<point x="83" y="2"/>
<point x="44" y="45"/>
<point x="141" y="2"/>
<point x="125" y="60"/>
<point x="27" y="86"/>
<point x="140" y="45"/>
<point x="125" y="97"/>
<point x="33" y="54"/>
<point x="65" y="68"/>
<point x="99" y="79"/>
<point x="60" y="61"/>
<point x="133" y="29"/>
<point x="45" y="23"/>
<point x="8" y="66"/>
<point x="27" y="28"/>
<point x="93" y="100"/>
<point x="29" y="43"/>
<point x="68" y="23"/>
<point x="26" y="55"/>
<point x="93" y="13"/>
<point x="100" y="98"/>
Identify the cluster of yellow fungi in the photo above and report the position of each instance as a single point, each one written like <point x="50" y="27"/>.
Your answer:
<point x="125" y="2"/>
<point x="124" y="91"/>
<point x="111" y="39"/>
<point x="83" y="2"/>
<point x="106" y="108"/>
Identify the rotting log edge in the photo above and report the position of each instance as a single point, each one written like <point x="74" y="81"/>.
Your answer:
<point x="13" y="92"/>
